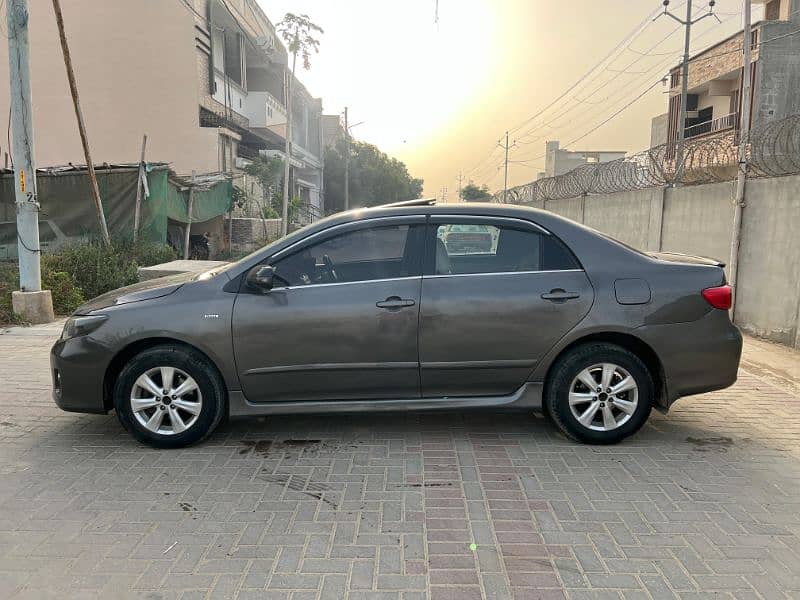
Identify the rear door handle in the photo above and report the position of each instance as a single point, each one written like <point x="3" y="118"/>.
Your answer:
<point x="559" y="295"/>
<point x="395" y="302"/>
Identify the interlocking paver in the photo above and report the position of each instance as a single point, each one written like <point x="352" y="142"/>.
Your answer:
<point x="704" y="503"/>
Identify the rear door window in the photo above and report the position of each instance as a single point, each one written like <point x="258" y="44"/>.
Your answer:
<point x="464" y="249"/>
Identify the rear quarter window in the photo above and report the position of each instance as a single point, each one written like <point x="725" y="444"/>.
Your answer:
<point x="556" y="256"/>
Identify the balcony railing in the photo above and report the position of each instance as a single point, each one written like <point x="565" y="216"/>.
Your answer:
<point x="712" y="126"/>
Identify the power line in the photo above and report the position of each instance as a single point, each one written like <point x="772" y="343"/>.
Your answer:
<point x="609" y="81"/>
<point x="659" y="65"/>
<point x="629" y="38"/>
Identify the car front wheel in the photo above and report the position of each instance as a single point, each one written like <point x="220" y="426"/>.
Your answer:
<point x="169" y="397"/>
<point x="599" y="393"/>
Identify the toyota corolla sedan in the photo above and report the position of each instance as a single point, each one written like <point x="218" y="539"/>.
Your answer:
<point x="369" y="311"/>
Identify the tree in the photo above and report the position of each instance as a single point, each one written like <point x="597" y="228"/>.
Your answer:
<point x="473" y="193"/>
<point x="375" y="178"/>
<point x="268" y="171"/>
<point x="298" y="32"/>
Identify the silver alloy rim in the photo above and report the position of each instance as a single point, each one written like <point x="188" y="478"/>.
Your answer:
<point x="603" y="397"/>
<point x="166" y="400"/>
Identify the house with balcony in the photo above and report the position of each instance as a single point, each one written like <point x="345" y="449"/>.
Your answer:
<point x="715" y="79"/>
<point x="246" y="98"/>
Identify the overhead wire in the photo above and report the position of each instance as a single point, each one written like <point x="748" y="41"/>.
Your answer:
<point x="628" y="39"/>
<point x="658" y="66"/>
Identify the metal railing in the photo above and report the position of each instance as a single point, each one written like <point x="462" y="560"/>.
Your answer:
<point x="711" y="126"/>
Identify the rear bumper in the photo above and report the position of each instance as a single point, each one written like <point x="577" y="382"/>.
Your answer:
<point x="697" y="357"/>
<point x="77" y="368"/>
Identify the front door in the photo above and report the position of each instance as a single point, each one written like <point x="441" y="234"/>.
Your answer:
<point x="341" y="321"/>
<point x="496" y="296"/>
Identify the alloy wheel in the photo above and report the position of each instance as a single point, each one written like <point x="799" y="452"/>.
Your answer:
<point x="166" y="400"/>
<point x="603" y="397"/>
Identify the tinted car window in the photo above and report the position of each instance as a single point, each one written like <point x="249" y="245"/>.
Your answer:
<point x="498" y="249"/>
<point x="362" y="255"/>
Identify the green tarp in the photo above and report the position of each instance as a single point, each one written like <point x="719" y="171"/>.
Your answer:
<point x="66" y="200"/>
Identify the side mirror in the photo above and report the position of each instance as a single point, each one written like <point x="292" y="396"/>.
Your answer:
<point x="261" y="278"/>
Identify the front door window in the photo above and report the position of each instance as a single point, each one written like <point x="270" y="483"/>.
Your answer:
<point x="388" y="252"/>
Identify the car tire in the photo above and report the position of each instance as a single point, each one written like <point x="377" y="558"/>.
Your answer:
<point x="192" y="408"/>
<point x="595" y="416"/>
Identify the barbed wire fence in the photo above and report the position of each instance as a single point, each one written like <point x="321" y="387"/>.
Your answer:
<point x="773" y="150"/>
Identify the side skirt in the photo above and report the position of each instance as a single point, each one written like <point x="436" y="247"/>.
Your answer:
<point x="529" y="396"/>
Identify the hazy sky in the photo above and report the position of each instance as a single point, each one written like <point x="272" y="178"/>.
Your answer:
<point x="439" y="96"/>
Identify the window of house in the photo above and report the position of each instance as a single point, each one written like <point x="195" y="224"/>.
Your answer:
<point x="386" y="252"/>
<point x="463" y="249"/>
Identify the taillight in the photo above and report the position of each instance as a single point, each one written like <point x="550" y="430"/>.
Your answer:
<point x="719" y="297"/>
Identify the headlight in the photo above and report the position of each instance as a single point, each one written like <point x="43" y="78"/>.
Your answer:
<point x="76" y="326"/>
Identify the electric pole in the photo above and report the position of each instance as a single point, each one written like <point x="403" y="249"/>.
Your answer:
<point x="687" y="24"/>
<point x="31" y="302"/>
<point x="346" y="162"/>
<point x="460" y="184"/>
<point x="505" y="176"/>
<point x="744" y="139"/>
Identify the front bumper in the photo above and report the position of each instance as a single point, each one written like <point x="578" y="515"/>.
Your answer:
<point x="697" y="357"/>
<point x="77" y="368"/>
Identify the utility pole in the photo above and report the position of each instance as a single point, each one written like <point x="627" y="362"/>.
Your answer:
<point x="288" y="157"/>
<point x="687" y="24"/>
<point x="460" y="184"/>
<point x="505" y="176"/>
<point x="31" y="302"/>
<point x="73" y="87"/>
<point x="346" y="162"/>
<point x="744" y="140"/>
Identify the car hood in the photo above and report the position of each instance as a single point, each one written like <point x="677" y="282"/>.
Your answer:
<point x="676" y="257"/>
<point x="144" y="290"/>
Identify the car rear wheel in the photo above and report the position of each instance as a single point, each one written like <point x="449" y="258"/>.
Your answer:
<point x="599" y="393"/>
<point x="169" y="397"/>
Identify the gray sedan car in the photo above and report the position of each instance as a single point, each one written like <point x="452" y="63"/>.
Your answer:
<point x="368" y="310"/>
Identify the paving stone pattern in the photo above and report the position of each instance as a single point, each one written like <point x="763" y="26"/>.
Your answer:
<point x="704" y="503"/>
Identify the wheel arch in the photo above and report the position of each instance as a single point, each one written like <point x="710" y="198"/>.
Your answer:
<point x="631" y="343"/>
<point x="122" y="357"/>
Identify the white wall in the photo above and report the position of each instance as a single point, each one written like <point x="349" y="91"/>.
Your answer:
<point x="136" y="69"/>
<point x="698" y="220"/>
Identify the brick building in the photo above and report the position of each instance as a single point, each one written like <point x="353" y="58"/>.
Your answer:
<point x="715" y="79"/>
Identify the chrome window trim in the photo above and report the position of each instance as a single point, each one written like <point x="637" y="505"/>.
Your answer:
<point x="317" y="285"/>
<point x="492" y="273"/>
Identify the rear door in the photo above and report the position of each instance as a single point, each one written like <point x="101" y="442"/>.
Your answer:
<point x="488" y="315"/>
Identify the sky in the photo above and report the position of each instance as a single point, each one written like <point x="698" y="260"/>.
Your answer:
<point x="440" y="95"/>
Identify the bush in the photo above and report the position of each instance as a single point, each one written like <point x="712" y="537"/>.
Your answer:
<point x="9" y="281"/>
<point x="82" y="271"/>
<point x="67" y="296"/>
<point x="98" y="269"/>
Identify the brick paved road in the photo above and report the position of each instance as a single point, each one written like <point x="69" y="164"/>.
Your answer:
<point x="703" y="504"/>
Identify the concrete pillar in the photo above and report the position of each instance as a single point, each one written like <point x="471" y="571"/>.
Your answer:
<point x="655" y="227"/>
<point x="583" y="208"/>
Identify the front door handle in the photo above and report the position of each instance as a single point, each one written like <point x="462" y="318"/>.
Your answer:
<point x="395" y="302"/>
<point x="559" y="295"/>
